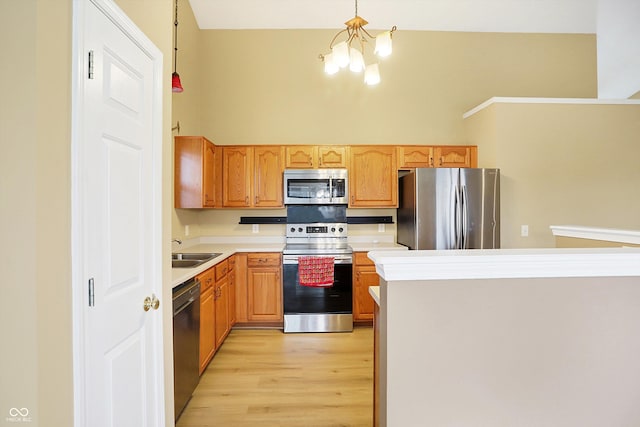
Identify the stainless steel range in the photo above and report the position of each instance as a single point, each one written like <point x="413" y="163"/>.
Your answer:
<point x="317" y="233"/>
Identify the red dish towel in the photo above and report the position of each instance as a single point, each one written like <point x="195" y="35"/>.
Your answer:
<point x="315" y="271"/>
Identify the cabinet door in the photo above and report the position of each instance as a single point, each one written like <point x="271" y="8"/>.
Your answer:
<point x="195" y="184"/>
<point x="455" y="156"/>
<point x="332" y="156"/>
<point x="301" y="156"/>
<point x="207" y="328"/>
<point x="264" y="289"/>
<point x="231" y="278"/>
<point x="221" y="297"/>
<point x="364" y="276"/>
<point x="373" y="176"/>
<point x="236" y="168"/>
<point x="208" y="175"/>
<point x="363" y="302"/>
<point x="267" y="184"/>
<point x="411" y="157"/>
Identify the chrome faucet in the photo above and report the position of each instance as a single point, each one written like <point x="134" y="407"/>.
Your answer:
<point x="178" y="241"/>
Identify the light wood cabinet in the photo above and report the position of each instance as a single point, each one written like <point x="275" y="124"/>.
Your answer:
<point x="364" y="275"/>
<point x="264" y="287"/>
<point x="314" y="156"/>
<point x="455" y="156"/>
<point x="446" y="156"/>
<point x="231" y="276"/>
<point x="197" y="173"/>
<point x="301" y="156"/>
<point x="236" y="176"/>
<point x="252" y="176"/>
<point x="417" y="156"/>
<point x="221" y="298"/>
<point x="373" y="176"/>
<point x="267" y="176"/>
<point x="207" y="318"/>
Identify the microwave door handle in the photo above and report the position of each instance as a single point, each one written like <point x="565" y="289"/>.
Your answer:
<point x="330" y="189"/>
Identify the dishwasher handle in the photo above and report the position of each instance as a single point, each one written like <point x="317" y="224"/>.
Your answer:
<point x="185" y="294"/>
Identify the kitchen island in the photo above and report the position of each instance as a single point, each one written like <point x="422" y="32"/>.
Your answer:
<point x="508" y="337"/>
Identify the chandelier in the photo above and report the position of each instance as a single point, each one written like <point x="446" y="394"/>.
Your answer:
<point x="350" y="51"/>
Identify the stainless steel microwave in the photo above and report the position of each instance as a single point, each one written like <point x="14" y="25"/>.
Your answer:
<point x="316" y="187"/>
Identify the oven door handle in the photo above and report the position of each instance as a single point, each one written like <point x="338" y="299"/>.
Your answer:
<point x="337" y="259"/>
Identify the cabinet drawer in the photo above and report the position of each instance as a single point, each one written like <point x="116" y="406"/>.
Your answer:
<point x="221" y="270"/>
<point x="206" y="279"/>
<point x="263" y="260"/>
<point x="361" y="258"/>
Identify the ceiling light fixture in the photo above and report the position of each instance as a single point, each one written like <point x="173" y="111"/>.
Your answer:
<point x="176" y="85"/>
<point x="343" y="54"/>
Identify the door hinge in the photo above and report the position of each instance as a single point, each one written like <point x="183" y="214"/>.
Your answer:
<point x="90" y="64"/>
<point x="92" y="296"/>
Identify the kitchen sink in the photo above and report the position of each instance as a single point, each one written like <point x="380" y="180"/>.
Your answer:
<point x="188" y="260"/>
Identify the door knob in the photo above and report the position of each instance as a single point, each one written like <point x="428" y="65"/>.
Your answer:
<point x="151" y="302"/>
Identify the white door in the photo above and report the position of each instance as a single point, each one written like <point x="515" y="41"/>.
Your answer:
<point x="117" y="162"/>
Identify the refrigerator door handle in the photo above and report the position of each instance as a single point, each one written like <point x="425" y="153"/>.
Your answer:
<point x="465" y="218"/>
<point x="456" y="219"/>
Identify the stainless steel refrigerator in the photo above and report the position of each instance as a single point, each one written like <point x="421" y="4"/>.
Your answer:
<point x="449" y="208"/>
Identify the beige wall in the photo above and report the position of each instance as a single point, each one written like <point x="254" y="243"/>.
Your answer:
<point x="574" y="242"/>
<point x="268" y="87"/>
<point x="18" y="215"/>
<point x="561" y="164"/>
<point x="35" y="215"/>
<point x="510" y="352"/>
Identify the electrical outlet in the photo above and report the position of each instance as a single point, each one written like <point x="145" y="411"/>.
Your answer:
<point x="255" y="228"/>
<point x="381" y="228"/>
<point x="186" y="230"/>
<point x="524" y="230"/>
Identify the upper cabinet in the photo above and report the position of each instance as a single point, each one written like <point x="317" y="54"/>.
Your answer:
<point x="454" y="156"/>
<point x="373" y="176"/>
<point x="198" y="173"/>
<point x="446" y="156"/>
<point x="313" y="156"/>
<point x="416" y="156"/>
<point x="252" y="176"/>
<point x="267" y="176"/>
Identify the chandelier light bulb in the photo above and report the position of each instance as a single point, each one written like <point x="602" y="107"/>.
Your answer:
<point x="372" y="75"/>
<point x="330" y="66"/>
<point x="356" y="60"/>
<point x="341" y="54"/>
<point x="383" y="44"/>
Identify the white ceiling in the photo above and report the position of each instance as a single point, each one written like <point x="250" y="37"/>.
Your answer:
<point x="537" y="16"/>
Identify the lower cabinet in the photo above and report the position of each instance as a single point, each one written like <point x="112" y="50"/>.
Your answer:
<point x="215" y="310"/>
<point x="264" y="287"/>
<point x="258" y="290"/>
<point x="207" y="318"/>
<point x="364" y="275"/>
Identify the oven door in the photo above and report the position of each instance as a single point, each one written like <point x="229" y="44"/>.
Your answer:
<point x="317" y="309"/>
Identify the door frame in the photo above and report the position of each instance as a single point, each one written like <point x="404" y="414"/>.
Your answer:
<point x="78" y="283"/>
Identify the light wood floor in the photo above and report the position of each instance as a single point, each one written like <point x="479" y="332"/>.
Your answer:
<point x="268" y="378"/>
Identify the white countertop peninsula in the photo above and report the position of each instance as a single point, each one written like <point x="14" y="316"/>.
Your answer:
<point x="509" y="337"/>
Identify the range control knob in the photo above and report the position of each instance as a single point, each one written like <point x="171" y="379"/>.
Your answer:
<point x="293" y="229"/>
<point x="300" y="229"/>
<point x="341" y="229"/>
<point x="333" y="229"/>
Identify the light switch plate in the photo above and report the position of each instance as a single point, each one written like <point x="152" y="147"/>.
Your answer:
<point x="524" y="230"/>
<point x="255" y="228"/>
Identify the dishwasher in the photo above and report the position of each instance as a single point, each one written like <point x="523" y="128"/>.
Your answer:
<point x="186" y="342"/>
